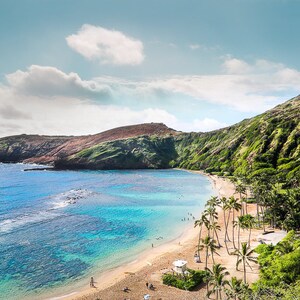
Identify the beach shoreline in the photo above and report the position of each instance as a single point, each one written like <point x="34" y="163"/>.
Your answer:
<point x="149" y="266"/>
<point x="146" y="259"/>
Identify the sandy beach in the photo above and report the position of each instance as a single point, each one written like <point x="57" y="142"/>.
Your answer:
<point x="150" y="265"/>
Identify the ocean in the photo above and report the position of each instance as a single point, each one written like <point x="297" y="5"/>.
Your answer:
<point x="58" y="228"/>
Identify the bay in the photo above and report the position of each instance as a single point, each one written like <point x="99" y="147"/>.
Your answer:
<point x="59" y="227"/>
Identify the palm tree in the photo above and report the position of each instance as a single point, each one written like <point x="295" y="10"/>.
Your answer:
<point x="202" y="221"/>
<point x="284" y="247"/>
<point x="233" y="205"/>
<point x="209" y="245"/>
<point x="222" y="204"/>
<point x="235" y="288"/>
<point x="245" y="257"/>
<point x="240" y="189"/>
<point x="213" y="201"/>
<point x="212" y="213"/>
<point x="214" y="227"/>
<point x="227" y="207"/>
<point x="216" y="279"/>
<point x="249" y="223"/>
<point x="240" y="223"/>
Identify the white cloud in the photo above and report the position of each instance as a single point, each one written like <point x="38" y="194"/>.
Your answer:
<point x="25" y="105"/>
<point x="49" y="82"/>
<point x="46" y="100"/>
<point x="194" y="46"/>
<point x="236" y="66"/>
<point x="245" y="87"/>
<point x="207" y="124"/>
<point x="106" y="46"/>
<point x="70" y="116"/>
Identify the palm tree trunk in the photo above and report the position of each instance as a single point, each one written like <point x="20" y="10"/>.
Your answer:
<point x="257" y="213"/>
<point x="226" y="247"/>
<point x="249" y="237"/>
<point x="233" y="230"/>
<point x="199" y="240"/>
<point x="263" y="218"/>
<point x="244" y="270"/>
<point x="227" y="225"/>
<point x="246" y="202"/>
<point x="219" y="245"/>
<point x="242" y="203"/>
<point x="206" y="258"/>
<point x="239" y="233"/>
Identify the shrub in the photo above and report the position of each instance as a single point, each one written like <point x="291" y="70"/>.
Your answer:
<point x="194" y="279"/>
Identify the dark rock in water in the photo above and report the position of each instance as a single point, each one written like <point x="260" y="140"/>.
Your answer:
<point x="39" y="169"/>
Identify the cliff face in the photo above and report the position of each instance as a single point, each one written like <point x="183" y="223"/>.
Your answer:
<point x="128" y="147"/>
<point x="29" y="148"/>
<point x="268" y="143"/>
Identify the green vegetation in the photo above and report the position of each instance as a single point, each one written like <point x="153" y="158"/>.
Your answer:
<point x="278" y="205"/>
<point x="279" y="264"/>
<point x="268" y="143"/>
<point x="132" y="153"/>
<point x="187" y="282"/>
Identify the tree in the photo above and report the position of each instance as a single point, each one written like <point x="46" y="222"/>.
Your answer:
<point x="214" y="227"/>
<point x="233" y="205"/>
<point x="224" y="205"/>
<point x="246" y="222"/>
<point x="213" y="201"/>
<point x="250" y="223"/>
<point x="216" y="280"/>
<point x="210" y="246"/>
<point x="202" y="221"/>
<point x="241" y="190"/>
<point x="245" y="257"/>
<point x="284" y="247"/>
<point x="235" y="288"/>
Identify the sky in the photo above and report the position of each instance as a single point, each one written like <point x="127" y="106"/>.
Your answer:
<point x="70" y="67"/>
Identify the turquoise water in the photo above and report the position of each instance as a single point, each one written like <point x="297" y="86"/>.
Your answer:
<point x="56" y="227"/>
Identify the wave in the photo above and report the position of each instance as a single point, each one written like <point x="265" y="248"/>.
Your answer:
<point x="70" y="197"/>
<point x="11" y="224"/>
<point x="60" y="201"/>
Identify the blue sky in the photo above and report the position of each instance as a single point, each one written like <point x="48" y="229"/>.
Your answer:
<point x="80" y="67"/>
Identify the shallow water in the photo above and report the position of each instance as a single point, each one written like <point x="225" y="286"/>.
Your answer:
<point x="57" y="227"/>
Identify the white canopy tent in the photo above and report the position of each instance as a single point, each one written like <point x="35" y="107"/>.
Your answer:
<point x="180" y="266"/>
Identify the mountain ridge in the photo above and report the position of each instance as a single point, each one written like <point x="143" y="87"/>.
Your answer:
<point x="268" y="142"/>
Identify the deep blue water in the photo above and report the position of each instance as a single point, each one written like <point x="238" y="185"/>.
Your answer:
<point x="56" y="227"/>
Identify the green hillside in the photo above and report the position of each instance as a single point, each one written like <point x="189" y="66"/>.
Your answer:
<point x="267" y="143"/>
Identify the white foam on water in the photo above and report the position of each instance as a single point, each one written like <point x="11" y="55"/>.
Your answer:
<point x="60" y="201"/>
<point x="70" y="197"/>
<point x="11" y="224"/>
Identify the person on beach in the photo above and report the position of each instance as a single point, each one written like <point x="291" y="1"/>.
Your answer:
<point x="92" y="284"/>
<point x="147" y="284"/>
